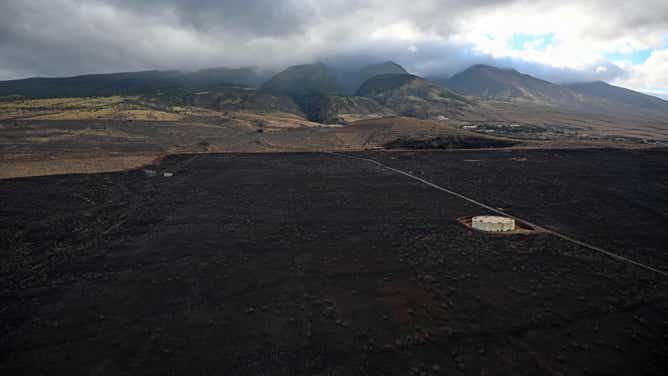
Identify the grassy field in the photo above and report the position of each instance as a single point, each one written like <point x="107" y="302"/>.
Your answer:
<point x="103" y="108"/>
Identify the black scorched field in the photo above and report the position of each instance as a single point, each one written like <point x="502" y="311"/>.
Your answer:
<point x="315" y="263"/>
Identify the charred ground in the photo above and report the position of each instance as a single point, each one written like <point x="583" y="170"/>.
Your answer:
<point x="312" y="263"/>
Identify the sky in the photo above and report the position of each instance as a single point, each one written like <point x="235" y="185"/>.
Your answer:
<point x="621" y="42"/>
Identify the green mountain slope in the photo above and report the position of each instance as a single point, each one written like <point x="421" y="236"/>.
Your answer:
<point x="342" y="109"/>
<point x="320" y="91"/>
<point x="411" y="95"/>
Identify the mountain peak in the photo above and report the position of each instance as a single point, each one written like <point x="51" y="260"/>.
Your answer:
<point x="305" y="79"/>
<point x="414" y="96"/>
<point x="384" y="82"/>
<point x="489" y="69"/>
<point x="481" y="66"/>
<point x="312" y="66"/>
<point x="509" y="85"/>
<point x="352" y="80"/>
<point x="386" y="67"/>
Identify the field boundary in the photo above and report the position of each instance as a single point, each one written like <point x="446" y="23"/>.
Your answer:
<point x="500" y="212"/>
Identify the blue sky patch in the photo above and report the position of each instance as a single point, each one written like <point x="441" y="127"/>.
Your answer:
<point x="636" y="57"/>
<point x="520" y="41"/>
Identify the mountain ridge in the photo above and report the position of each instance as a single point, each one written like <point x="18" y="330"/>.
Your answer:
<point x="509" y="84"/>
<point x="619" y="94"/>
<point x="326" y="94"/>
<point x="302" y="82"/>
<point x="411" y="95"/>
<point x="129" y="82"/>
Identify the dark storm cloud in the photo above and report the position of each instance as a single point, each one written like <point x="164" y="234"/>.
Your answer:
<point x="247" y="18"/>
<point x="67" y="37"/>
<point x="618" y="16"/>
<point x="62" y="37"/>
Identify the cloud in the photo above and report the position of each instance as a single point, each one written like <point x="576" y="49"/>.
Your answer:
<point x="561" y="41"/>
<point x="651" y="76"/>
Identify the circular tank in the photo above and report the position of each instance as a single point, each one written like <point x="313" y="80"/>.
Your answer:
<point x="489" y="223"/>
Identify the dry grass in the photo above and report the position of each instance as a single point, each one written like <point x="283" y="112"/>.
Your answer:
<point x="592" y="124"/>
<point x="274" y="120"/>
<point x="102" y="108"/>
<point x="112" y="114"/>
<point x="72" y="135"/>
<point x="29" y="148"/>
<point x="72" y="166"/>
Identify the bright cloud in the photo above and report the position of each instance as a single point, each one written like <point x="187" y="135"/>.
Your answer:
<point x="650" y="76"/>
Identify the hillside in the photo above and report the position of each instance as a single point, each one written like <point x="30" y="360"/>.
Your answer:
<point x="321" y="91"/>
<point x="352" y="80"/>
<point x="388" y="67"/>
<point x="301" y="80"/>
<point x="620" y="95"/>
<point x="126" y="108"/>
<point x="342" y="109"/>
<point x="227" y="99"/>
<point x="128" y="83"/>
<point x="510" y="85"/>
<point x="331" y="95"/>
<point x="413" y="96"/>
<point x="411" y="133"/>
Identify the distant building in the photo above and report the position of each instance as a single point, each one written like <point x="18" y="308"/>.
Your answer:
<point x="493" y="224"/>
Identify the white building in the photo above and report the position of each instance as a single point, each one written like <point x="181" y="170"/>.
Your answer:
<point x="489" y="223"/>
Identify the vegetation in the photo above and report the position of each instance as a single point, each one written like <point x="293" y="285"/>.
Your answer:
<point x="114" y="107"/>
<point x="326" y="94"/>
<point x="449" y="142"/>
<point x="413" y="96"/>
<point x="342" y="109"/>
<point x="225" y="99"/>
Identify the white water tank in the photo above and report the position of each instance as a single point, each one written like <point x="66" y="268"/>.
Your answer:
<point x="490" y="223"/>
